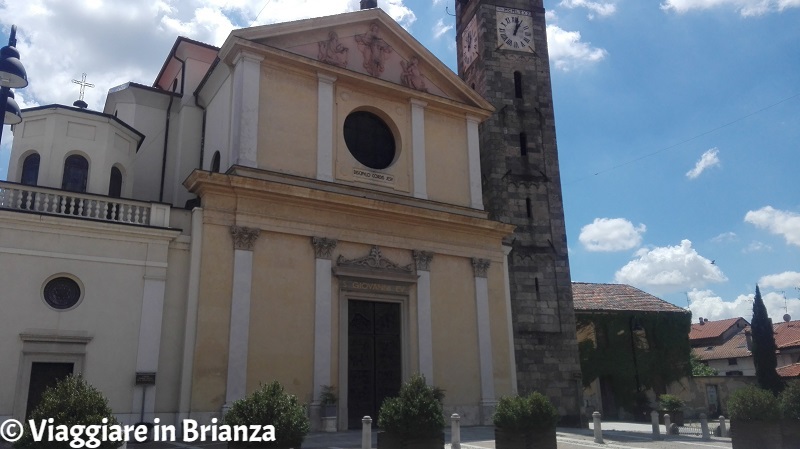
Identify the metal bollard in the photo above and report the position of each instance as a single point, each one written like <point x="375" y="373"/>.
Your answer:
<point x="723" y="431"/>
<point x="598" y="431"/>
<point x="455" y="431"/>
<point x="704" y="427"/>
<point x="366" y="433"/>
<point x="656" y="428"/>
<point x="667" y="425"/>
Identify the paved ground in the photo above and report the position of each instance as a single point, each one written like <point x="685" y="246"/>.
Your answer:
<point x="615" y="436"/>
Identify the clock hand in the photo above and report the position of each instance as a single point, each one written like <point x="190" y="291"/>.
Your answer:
<point x="516" y="28"/>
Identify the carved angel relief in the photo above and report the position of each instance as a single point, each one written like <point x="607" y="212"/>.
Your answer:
<point x="412" y="76"/>
<point x="332" y="52"/>
<point x="374" y="49"/>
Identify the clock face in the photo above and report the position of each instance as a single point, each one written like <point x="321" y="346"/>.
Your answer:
<point x="514" y="29"/>
<point x="469" y="43"/>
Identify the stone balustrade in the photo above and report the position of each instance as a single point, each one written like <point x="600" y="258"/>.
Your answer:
<point x="50" y="201"/>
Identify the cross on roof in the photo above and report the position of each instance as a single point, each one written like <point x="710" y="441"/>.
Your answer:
<point x="83" y="85"/>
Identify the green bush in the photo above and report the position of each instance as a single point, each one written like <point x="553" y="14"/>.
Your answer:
<point x="72" y="401"/>
<point x="271" y="405"/>
<point x="753" y="404"/>
<point x="789" y="400"/>
<point x="415" y="413"/>
<point x="525" y="413"/>
<point x="670" y="403"/>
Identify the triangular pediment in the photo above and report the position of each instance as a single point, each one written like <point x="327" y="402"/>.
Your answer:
<point x="367" y="42"/>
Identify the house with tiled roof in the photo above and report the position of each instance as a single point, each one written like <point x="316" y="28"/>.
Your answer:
<point x="632" y="344"/>
<point x="725" y="345"/>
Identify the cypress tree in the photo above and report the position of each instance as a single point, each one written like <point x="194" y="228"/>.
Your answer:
<point x="764" y="347"/>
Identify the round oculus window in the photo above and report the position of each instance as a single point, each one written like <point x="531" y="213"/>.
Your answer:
<point x="62" y="293"/>
<point x="369" y="139"/>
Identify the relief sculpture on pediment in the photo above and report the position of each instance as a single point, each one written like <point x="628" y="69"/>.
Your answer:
<point x="412" y="76"/>
<point x="374" y="49"/>
<point x="331" y="51"/>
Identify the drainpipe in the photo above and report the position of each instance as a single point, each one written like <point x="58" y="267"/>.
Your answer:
<point x="166" y="141"/>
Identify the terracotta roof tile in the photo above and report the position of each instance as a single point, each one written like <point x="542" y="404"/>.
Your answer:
<point x="787" y="334"/>
<point x="618" y="297"/>
<point x="711" y="329"/>
<point x="735" y="347"/>
<point x="792" y="370"/>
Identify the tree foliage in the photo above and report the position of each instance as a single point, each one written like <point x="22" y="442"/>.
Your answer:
<point x="764" y="347"/>
<point x="701" y="369"/>
<point x="661" y="349"/>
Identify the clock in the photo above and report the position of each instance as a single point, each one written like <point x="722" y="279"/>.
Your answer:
<point x="514" y="29"/>
<point x="469" y="43"/>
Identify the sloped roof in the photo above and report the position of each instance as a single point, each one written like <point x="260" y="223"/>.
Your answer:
<point x="787" y="334"/>
<point x="792" y="370"/>
<point x="711" y="329"/>
<point x="735" y="347"/>
<point x="618" y="297"/>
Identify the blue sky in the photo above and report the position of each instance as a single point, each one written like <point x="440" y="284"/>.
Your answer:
<point x="678" y="122"/>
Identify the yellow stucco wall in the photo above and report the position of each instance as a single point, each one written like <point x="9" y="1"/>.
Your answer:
<point x="447" y="163"/>
<point x="287" y="135"/>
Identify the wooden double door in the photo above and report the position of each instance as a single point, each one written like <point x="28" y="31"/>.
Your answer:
<point x="374" y="333"/>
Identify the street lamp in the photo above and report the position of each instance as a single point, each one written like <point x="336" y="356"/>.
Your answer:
<point x="12" y="75"/>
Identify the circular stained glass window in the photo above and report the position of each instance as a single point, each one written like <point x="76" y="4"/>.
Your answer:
<point x="62" y="293"/>
<point x="369" y="139"/>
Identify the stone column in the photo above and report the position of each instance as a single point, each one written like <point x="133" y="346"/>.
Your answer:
<point x="325" y="135"/>
<point x="246" y="91"/>
<point x="323" y="332"/>
<point x="422" y="259"/>
<point x="244" y="240"/>
<point x="418" y="148"/>
<point x="473" y="152"/>
<point x="507" y="291"/>
<point x="480" y="268"/>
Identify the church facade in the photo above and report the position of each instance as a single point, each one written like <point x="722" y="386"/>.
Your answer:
<point x="303" y="204"/>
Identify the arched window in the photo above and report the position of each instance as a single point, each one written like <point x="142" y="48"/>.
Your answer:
<point x="115" y="183"/>
<point x="76" y="173"/>
<point x="523" y="144"/>
<point x="528" y="208"/>
<point x="215" y="162"/>
<point x="30" y="170"/>
<point x="518" y="84"/>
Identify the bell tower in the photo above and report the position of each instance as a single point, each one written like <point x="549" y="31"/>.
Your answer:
<point x="502" y="54"/>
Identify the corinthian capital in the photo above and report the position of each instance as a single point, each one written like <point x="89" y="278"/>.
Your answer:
<point x="480" y="267"/>
<point x="422" y="259"/>
<point x="323" y="248"/>
<point x="244" y="238"/>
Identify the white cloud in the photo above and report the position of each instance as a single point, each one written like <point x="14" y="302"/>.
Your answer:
<point x="611" y="234"/>
<point x="568" y="52"/>
<point x="777" y="222"/>
<point x="756" y="246"/>
<point x="704" y="303"/>
<point x="787" y="279"/>
<point x="670" y="269"/>
<point x="746" y="8"/>
<point x="440" y="29"/>
<point x="725" y="237"/>
<point x="707" y="160"/>
<point x="602" y="9"/>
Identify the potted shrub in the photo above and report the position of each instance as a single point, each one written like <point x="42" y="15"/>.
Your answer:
<point x="414" y="419"/>
<point x="789" y="401"/>
<point x="755" y="419"/>
<point x="270" y="405"/>
<point x="328" y="401"/>
<point x="72" y="401"/>
<point x="673" y="406"/>
<point x="525" y="422"/>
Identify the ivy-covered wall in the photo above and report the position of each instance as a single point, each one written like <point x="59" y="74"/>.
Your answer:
<point x="616" y="346"/>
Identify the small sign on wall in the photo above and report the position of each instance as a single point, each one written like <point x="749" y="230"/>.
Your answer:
<point x="361" y="174"/>
<point x="145" y="378"/>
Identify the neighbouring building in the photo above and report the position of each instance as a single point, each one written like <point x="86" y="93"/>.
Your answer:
<point x="306" y="203"/>
<point x="633" y="347"/>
